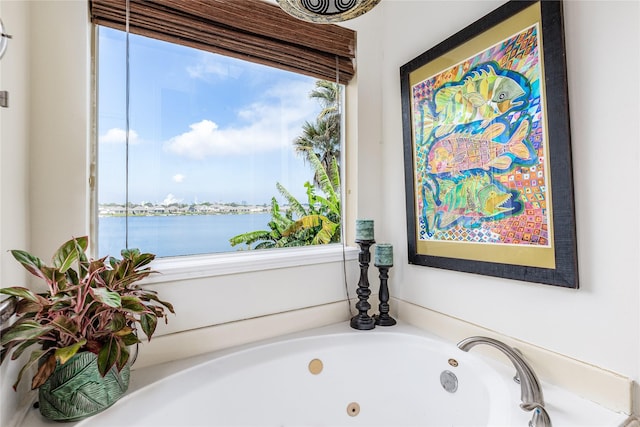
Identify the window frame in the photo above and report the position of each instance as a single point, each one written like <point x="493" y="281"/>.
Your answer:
<point x="174" y="269"/>
<point x="218" y="264"/>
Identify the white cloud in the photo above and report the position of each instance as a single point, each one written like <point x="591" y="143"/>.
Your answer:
<point x="213" y="66"/>
<point x="170" y="199"/>
<point x="118" y="136"/>
<point x="266" y="125"/>
<point x="178" y="178"/>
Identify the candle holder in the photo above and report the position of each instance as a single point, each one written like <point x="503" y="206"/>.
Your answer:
<point x="383" y="319"/>
<point x="362" y="320"/>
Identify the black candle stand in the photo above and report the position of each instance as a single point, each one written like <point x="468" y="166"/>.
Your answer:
<point x="362" y="320"/>
<point x="383" y="319"/>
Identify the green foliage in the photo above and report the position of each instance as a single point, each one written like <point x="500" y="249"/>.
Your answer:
<point x="322" y="138"/>
<point x="94" y="307"/>
<point x="318" y="221"/>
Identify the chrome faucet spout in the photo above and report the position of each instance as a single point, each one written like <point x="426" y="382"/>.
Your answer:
<point x="530" y="389"/>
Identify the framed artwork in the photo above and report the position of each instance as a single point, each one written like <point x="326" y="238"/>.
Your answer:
<point x="488" y="175"/>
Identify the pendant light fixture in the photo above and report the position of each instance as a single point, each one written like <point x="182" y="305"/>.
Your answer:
<point x="326" y="11"/>
<point x="4" y="39"/>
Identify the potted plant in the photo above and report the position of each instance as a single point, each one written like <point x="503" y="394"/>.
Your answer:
<point x="81" y="327"/>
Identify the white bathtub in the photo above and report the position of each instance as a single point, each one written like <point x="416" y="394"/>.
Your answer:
<point x="392" y="376"/>
<point x="335" y="376"/>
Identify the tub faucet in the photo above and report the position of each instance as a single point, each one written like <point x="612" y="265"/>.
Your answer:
<point x="530" y="390"/>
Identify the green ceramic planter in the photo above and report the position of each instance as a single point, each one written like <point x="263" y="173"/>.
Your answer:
<point x="76" y="390"/>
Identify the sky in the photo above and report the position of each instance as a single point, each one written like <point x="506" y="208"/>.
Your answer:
<point x="202" y="127"/>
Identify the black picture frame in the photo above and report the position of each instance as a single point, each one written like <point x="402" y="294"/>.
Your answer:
<point x="432" y="120"/>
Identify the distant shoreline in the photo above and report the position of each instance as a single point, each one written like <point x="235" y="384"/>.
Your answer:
<point x="148" y="209"/>
<point x="105" y="215"/>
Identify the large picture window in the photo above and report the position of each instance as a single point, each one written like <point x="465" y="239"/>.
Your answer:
<point x="218" y="126"/>
<point x="204" y="153"/>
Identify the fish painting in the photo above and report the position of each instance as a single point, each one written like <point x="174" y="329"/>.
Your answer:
<point x="461" y="151"/>
<point x="484" y="93"/>
<point x="468" y="200"/>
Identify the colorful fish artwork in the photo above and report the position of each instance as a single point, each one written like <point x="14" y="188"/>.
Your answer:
<point x="484" y="93"/>
<point x="461" y="151"/>
<point x="469" y="200"/>
<point x="480" y="154"/>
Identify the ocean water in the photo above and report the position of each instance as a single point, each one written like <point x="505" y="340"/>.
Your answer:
<point x="177" y="235"/>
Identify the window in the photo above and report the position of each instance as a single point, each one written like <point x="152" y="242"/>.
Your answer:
<point x="217" y="154"/>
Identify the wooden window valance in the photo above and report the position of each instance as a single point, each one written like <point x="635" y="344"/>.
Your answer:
<point x="251" y="30"/>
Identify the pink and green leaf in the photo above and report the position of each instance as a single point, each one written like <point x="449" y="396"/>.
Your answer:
<point x="130" y="339"/>
<point x="117" y="322"/>
<point x="133" y="304"/>
<point x="21" y="331"/>
<point x="69" y="253"/>
<point x="56" y="277"/>
<point x="107" y="297"/>
<point x="33" y="264"/>
<point x="148" y="323"/>
<point x="20" y="292"/>
<point x="65" y="325"/>
<point x="123" y="359"/>
<point x="108" y="355"/>
<point x="26" y="306"/>
<point x="148" y="295"/>
<point x="44" y="372"/>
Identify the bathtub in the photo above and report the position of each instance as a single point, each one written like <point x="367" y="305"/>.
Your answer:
<point x="335" y="376"/>
<point x="383" y="377"/>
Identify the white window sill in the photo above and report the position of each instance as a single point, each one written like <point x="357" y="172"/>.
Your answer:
<point x="198" y="266"/>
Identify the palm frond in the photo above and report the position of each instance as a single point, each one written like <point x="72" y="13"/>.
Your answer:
<point x="328" y="205"/>
<point x="250" y="237"/>
<point x="322" y="236"/>
<point x="334" y="174"/>
<point x="323" y="178"/>
<point x="294" y="204"/>
<point x="326" y="233"/>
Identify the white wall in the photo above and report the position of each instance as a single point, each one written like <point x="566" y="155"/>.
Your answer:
<point x="599" y="323"/>
<point x="59" y="123"/>
<point x="14" y="179"/>
<point x="14" y="147"/>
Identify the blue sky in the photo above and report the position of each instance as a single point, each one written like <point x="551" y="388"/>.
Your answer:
<point x="203" y="127"/>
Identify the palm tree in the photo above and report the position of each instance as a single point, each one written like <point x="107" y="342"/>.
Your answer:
<point x="328" y="93"/>
<point x="321" y="221"/>
<point x="317" y="223"/>
<point x="266" y="238"/>
<point x="322" y="137"/>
